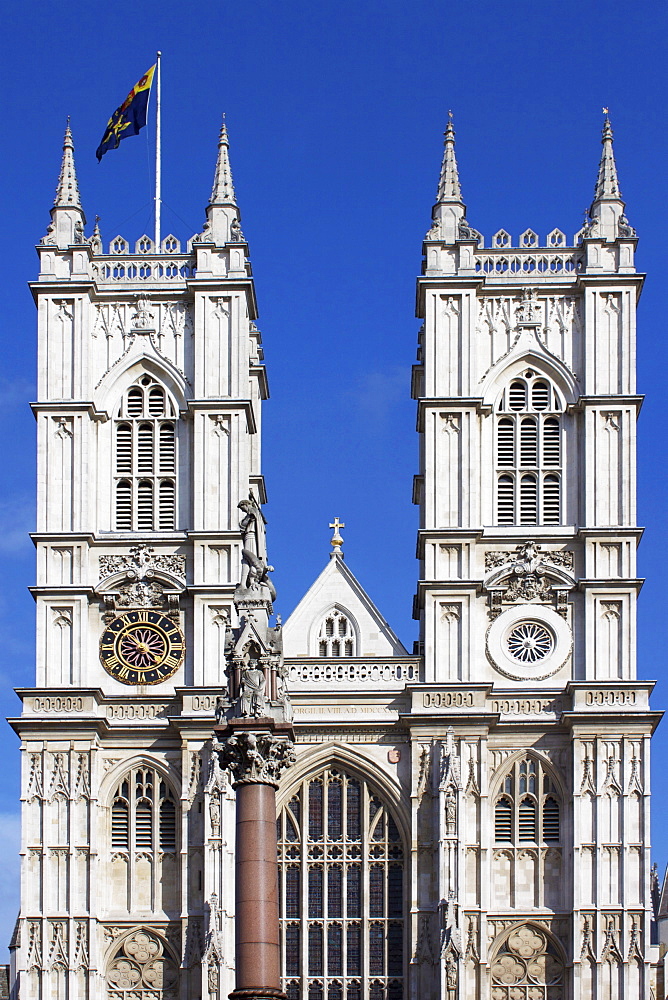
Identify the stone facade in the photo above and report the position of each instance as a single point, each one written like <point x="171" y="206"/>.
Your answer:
<point x="469" y="820"/>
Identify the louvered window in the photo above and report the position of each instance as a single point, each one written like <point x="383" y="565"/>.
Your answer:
<point x="336" y="635"/>
<point x="503" y="821"/>
<point x="527" y="820"/>
<point x="145" y="449"/>
<point x="347" y="864"/>
<point x="120" y="825"/>
<point x="527" y="808"/>
<point x="530" y="445"/>
<point x="137" y="813"/>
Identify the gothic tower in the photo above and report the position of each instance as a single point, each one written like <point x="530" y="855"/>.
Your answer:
<point x="148" y="422"/>
<point x="527" y="410"/>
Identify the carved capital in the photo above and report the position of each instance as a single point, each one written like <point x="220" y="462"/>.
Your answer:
<point x="255" y="757"/>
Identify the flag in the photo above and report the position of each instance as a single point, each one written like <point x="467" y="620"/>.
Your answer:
<point x="130" y="117"/>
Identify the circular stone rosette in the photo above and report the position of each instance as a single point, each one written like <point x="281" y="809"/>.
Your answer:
<point x="528" y="642"/>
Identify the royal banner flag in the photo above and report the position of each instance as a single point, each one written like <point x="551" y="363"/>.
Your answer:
<point x="130" y="117"/>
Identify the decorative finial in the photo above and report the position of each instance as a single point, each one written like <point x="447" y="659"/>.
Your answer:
<point x="606" y="111"/>
<point x="448" y="185"/>
<point x="450" y="115"/>
<point x="223" y="186"/>
<point x="337" y="540"/>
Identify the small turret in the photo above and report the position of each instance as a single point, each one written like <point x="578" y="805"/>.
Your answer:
<point x="67" y="215"/>
<point x="222" y="213"/>
<point x="449" y="211"/>
<point x="607" y="208"/>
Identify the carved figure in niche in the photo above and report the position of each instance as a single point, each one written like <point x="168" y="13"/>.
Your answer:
<point x="79" y="232"/>
<point x="214" y="813"/>
<point x="220" y="710"/>
<point x="254" y="551"/>
<point x="212" y="979"/>
<point x="282" y="692"/>
<point x="450" y="811"/>
<point x="253" y="684"/>
<point x="236" y="236"/>
<point x="451" y="975"/>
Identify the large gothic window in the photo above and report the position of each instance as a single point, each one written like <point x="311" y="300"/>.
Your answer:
<point x="341" y="864"/>
<point x="527" y="967"/>
<point x="527" y="806"/>
<point x="143" y="842"/>
<point x="145" y="459"/>
<point x="141" y="969"/>
<point x="337" y="635"/>
<point x="529" y="452"/>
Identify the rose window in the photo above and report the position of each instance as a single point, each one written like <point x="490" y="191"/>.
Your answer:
<point x="529" y="642"/>
<point x="527" y="968"/>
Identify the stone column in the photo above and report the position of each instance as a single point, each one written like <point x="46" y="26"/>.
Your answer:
<point x="256" y="751"/>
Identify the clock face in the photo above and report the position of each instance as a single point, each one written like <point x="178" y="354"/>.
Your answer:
<point x="142" y="647"/>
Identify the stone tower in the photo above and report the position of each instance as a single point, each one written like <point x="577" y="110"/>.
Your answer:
<point x="148" y="416"/>
<point x="527" y="600"/>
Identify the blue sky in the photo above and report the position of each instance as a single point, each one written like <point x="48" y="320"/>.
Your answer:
<point x="335" y="113"/>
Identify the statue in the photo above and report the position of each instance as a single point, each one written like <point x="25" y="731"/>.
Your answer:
<point x="220" y="711"/>
<point x="451" y="975"/>
<point x="252" y="690"/>
<point x="254" y="551"/>
<point x="79" y="236"/>
<point x="213" y="978"/>
<point x="214" y="812"/>
<point x="236" y="236"/>
<point x="466" y="232"/>
<point x="282" y="692"/>
<point x="450" y="811"/>
<point x="50" y="238"/>
<point x="624" y="228"/>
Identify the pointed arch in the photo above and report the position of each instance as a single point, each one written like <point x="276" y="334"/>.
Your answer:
<point x="128" y="369"/>
<point x="517" y="755"/>
<point x="334" y="632"/>
<point x="528" y="352"/>
<point x="343" y="879"/>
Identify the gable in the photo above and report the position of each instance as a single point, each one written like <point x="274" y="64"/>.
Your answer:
<point x="337" y="597"/>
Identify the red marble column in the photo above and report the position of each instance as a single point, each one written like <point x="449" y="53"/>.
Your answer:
<point x="257" y="948"/>
<point x="256" y="751"/>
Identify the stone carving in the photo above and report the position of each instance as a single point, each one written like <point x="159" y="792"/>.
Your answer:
<point x="142" y="318"/>
<point x="236" y="235"/>
<point x="141" y="562"/>
<point x="34" y="960"/>
<point x="529" y="577"/>
<point x="450" y="811"/>
<point x="213" y="977"/>
<point x="435" y="231"/>
<point x="529" y="310"/>
<point x="140" y="595"/>
<point x="81" y="784"/>
<point x="282" y="693"/>
<point x="214" y="814"/>
<point x="193" y="949"/>
<point x="467" y="232"/>
<point x="34" y="790"/>
<point x="81" y="946"/>
<point x="58" y="947"/>
<point x="255" y="576"/>
<point x="255" y="758"/>
<point x="624" y="229"/>
<point x="60" y="784"/>
<point x="49" y="240"/>
<point x="451" y="975"/>
<point x="253" y="683"/>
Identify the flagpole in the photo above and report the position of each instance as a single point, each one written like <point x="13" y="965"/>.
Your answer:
<point x="158" y="165"/>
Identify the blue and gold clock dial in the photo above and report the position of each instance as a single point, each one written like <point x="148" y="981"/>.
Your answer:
<point x="142" y="647"/>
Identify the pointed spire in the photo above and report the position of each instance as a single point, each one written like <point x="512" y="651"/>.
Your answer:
<point x="67" y="191"/>
<point x="222" y="192"/>
<point x="448" y="186"/>
<point x="449" y="212"/>
<point x="67" y="215"/>
<point x="222" y="213"/>
<point x="607" y="185"/>
<point x="607" y="208"/>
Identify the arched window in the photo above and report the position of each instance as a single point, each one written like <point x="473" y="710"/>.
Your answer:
<point x="527" y="965"/>
<point x="145" y="459"/>
<point x="528" y="442"/>
<point x="341" y="863"/>
<point x="141" y="968"/>
<point x="527" y="806"/>
<point x="143" y="842"/>
<point x="337" y="635"/>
